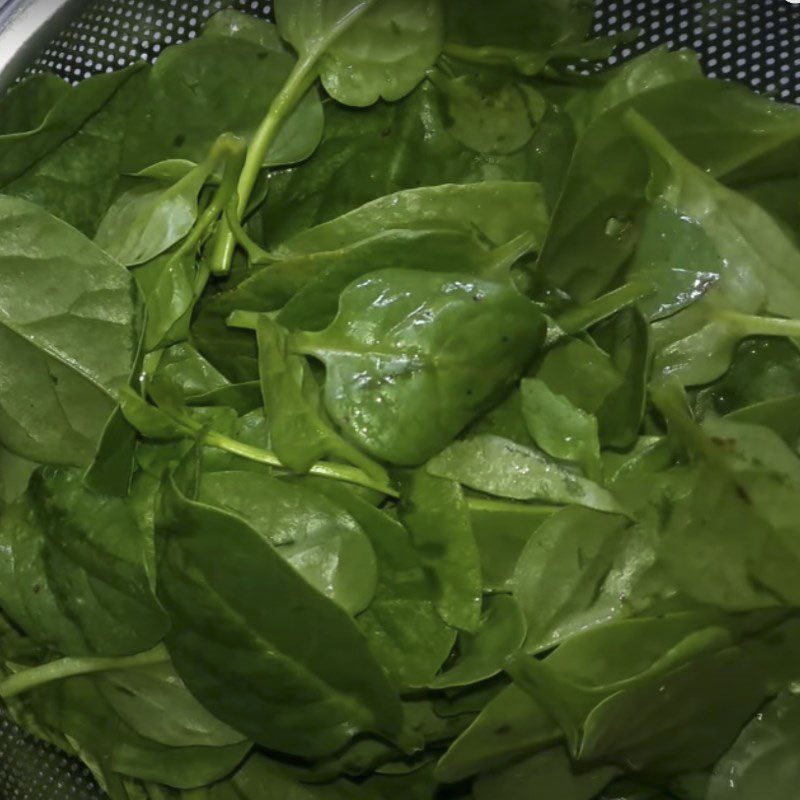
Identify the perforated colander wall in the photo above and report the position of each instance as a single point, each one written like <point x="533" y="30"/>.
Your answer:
<point x="114" y="33"/>
<point x="754" y="41"/>
<point x="30" y="770"/>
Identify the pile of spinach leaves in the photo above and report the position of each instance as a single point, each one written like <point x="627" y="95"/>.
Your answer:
<point x="389" y="411"/>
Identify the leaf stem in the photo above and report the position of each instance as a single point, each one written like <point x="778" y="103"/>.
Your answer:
<point x="255" y="253"/>
<point x="505" y="256"/>
<point x="579" y="319"/>
<point x="232" y="150"/>
<point x="669" y="398"/>
<point x="244" y="320"/>
<point x="70" y="667"/>
<point x="754" y="325"/>
<point x="486" y="504"/>
<point x="297" y="84"/>
<point x="323" y="469"/>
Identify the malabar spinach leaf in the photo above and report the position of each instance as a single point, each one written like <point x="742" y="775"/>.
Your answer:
<point x="403" y="340"/>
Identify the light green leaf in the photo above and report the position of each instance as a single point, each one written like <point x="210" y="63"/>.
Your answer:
<point x="503" y="468"/>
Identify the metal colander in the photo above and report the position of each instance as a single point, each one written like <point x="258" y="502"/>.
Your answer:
<point x="753" y="41"/>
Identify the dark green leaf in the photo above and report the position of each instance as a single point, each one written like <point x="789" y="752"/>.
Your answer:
<point x="405" y="631"/>
<point x="321" y="541"/>
<point x="437" y="517"/>
<point x="73" y="349"/>
<point x="365" y="52"/>
<point x="307" y="680"/>
<point x="403" y="340"/>
<point x="78" y="569"/>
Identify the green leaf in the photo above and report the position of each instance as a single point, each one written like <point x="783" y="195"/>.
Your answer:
<point x="403" y="146"/>
<point x="15" y="474"/>
<point x="182" y="371"/>
<point x="365" y="50"/>
<point x="42" y="113"/>
<point x="755" y="254"/>
<point x="168" y="285"/>
<point x="399" y="382"/>
<point x="78" y="707"/>
<point x="762" y="370"/>
<point x="550" y="773"/>
<point x="482" y="654"/>
<point x="718" y="126"/>
<point x="561" y="572"/>
<point x="511" y="727"/>
<point x="490" y="115"/>
<point x="25" y="105"/>
<point x="328" y="273"/>
<point x="436" y="515"/>
<point x="561" y="429"/>
<point x="648" y="71"/>
<point x="501" y="531"/>
<point x="261" y="778"/>
<point x="644" y="707"/>
<point x="497" y="466"/>
<point x="71" y="351"/>
<point x="404" y="629"/>
<point x="152" y="216"/>
<point x="730" y="542"/>
<point x="112" y="467"/>
<point x="626" y="339"/>
<point x="324" y="543"/>
<point x="756" y="263"/>
<point x="299" y="434"/>
<point x="156" y="704"/>
<point x="762" y="763"/>
<point x="581" y="372"/>
<point x="521" y="35"/>
<point x="76" y="181"/>
<point x="210" y="593"/>
<point x="78" y="569"/>
<point x="240" y="25"/>
<point x="497" y="211"/>
<point x="519" y="23"/>
<point x="187" y="103"/>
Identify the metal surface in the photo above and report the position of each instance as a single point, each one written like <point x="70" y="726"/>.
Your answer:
<point x="110" y="34"/>
<point x="754" y="41"/>
<point x="27" y="27"/>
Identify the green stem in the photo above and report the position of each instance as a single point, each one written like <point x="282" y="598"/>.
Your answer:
<point x="754" y="325"/>
<point x="255" y="252"/>
<point x="297" y="84"/>
<point x="244" y="320"/>
<point x="233" y="151"/>
<point x="340" y="472"/>
<point x="485" y="504"/>
<point x="333" y="471"/>
<point x="70" y="667"/>
<point x="579" y="319"/>
<point x="669" y="399"/>
<point x="505" y="256"/>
